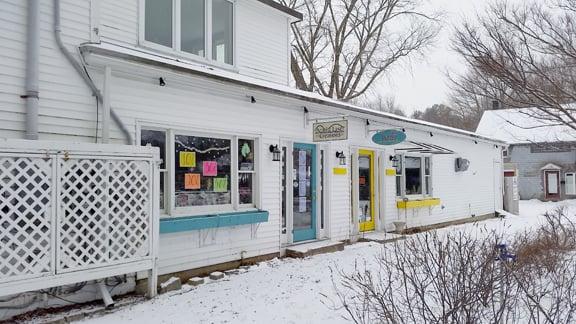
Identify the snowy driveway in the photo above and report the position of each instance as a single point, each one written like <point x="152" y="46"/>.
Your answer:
<point x="288" y="290"/>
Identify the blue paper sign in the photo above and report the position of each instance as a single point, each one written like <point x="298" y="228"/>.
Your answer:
<point x="389" y="137"/>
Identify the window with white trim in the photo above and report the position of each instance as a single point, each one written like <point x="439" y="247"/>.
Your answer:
<point x="570" y="186"/>
<point x="202" y="28"/>
<point x="208" y="172"/>
<point x="413" y="175"/>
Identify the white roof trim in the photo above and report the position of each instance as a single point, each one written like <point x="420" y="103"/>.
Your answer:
<point x="144" y="56"/>
<point x="551" y="166"/>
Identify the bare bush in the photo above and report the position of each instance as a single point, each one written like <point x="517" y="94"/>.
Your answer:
<point x="461" y="278"/>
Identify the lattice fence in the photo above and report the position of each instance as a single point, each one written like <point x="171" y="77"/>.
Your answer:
<point x="63" y="213"/>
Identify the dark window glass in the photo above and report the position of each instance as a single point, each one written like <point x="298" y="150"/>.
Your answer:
<point x="413" y="171"/>
<point x="245" y="186"/>
<point x="192" y="26"/>
<point x="158" y="22"/>
<point x="245" y="155"/>
<point x="157" y="139"/>
<point x="202" y="176"/>
<point x="222" y="21"/>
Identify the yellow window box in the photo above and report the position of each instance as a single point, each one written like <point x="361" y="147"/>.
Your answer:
<point x="418" y="203"/>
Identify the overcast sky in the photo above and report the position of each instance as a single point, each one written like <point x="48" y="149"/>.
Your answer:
<point x="424" y="83"/>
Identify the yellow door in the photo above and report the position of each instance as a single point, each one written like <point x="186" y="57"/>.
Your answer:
<point x="366" y="192"/>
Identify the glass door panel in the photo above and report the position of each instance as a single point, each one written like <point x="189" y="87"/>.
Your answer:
<point x="366" y="190"/>
<point x="304" y="192"/>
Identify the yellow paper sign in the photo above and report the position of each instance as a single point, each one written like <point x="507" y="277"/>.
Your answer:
<point x="220" y="184"/>
<point x="187" y="159"/>
<point x="191" y="181"/>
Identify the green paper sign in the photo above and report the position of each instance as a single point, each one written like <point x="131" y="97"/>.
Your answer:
<point x="220" y="184"/>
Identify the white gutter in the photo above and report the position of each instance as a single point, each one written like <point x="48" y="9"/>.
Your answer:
<point x="32" y="56"/>
<point x="80" y="69"/>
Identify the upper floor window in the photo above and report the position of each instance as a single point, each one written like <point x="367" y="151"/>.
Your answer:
<point x="203" y="28"/>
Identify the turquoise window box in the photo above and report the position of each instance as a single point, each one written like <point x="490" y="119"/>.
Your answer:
<point x="191" y="223"/>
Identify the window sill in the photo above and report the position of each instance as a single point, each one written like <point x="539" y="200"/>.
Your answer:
<point x="183" y="57"/>
<point x="192" y="223"/>
<point x="418" y="203"/>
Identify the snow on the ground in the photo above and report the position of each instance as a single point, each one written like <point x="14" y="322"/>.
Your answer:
<point x="292" y="290"/>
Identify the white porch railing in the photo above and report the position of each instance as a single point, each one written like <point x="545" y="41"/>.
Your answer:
<point x="76" y="212"/>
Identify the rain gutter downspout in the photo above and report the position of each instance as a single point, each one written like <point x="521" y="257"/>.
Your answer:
<point x="32" y="56"/>
<point x="80" y="69"/>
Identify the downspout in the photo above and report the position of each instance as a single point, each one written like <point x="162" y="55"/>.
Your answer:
<point x="32" y="56"/>
<point x="80" y="69"/>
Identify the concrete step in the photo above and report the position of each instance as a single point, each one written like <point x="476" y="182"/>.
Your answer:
<point x="380" y="237"/>
<point x="307" y="249"/>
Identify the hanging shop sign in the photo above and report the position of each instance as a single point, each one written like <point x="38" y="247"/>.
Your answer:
<point x="331" y="131"/>
<point x="389" y="137"/>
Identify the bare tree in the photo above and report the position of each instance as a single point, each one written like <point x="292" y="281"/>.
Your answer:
<point x="386" y="104"/>
<point x="343" y="46"/>
<point x="524" y="54"/>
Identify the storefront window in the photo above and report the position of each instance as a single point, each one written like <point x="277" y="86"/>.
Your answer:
<point x="202" y="171"/>
<point x="413" y="170"/>
<point x="245" y="171"/>
<point x="157" y="138"/>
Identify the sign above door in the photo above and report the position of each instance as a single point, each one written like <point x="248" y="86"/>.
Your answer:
<point x="330" y="131"/>
<point x="389" y="137"/>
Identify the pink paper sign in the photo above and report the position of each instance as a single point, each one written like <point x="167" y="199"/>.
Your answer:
<point x="209" y="168"/>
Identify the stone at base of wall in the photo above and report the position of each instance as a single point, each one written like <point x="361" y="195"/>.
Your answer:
<point x="142" y="285"/>
<point x="423" y="228"/>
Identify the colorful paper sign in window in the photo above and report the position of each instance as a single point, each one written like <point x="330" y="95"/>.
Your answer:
<point x="209" y="168"/>
<point x="187" y="159"/>
<point x="192" y="181"/>
<point x="220" y="184"/>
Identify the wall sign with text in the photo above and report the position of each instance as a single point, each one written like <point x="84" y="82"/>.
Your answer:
<point x="389" y="137"/>
<point x="330" y="131"/>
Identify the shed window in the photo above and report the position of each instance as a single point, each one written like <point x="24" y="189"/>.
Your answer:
<point x="203" y="28"/>
<point x="570" y="179"/>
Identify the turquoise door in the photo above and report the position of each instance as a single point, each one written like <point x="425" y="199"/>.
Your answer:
<point x="304" y="192"/>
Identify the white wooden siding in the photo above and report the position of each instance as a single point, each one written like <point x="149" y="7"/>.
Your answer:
<point x="261" y="36"/>
<point x="68" y="112"/>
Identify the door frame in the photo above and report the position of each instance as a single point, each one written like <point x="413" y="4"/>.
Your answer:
<point x="312" y="233"/>
<point x="558" y="193"/>
<point x="371" y="225"/>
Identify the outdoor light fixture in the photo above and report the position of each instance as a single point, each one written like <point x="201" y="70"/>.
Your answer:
<point x="252" y="99"/>
<point x="341" y="157"/>
<point x="431" y="134"/>
<point x="403" y="130"/>
<point x="161" y="81"/>
<point x="275" y="153"/>
<point x="394" y="160"/>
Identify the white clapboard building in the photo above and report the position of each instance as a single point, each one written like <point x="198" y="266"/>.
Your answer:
<point x="250" y="165"/>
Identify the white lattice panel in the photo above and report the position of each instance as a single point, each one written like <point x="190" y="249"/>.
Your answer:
<point x="72" y="212"/>
<point x="105" y="210"/>
<point x="25" y="217"/>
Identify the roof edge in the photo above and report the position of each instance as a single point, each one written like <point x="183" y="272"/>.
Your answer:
<point x="132" y="55"/>
<point x="287" y="10"/>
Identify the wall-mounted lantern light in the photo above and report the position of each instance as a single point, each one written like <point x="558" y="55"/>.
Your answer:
<point x="341" y="157"/>
<point x="161" y="81"/>
<point x="394" y="160"/>
<point x="275" y="153"/>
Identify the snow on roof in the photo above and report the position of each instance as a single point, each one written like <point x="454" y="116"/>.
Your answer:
<point x="145" y="56"/>
<point x="518" y="126"/>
